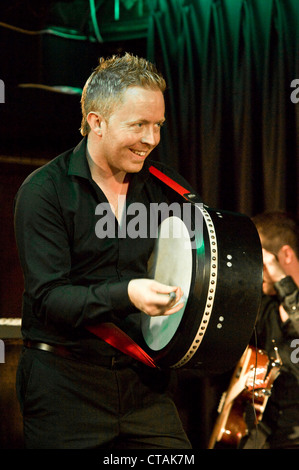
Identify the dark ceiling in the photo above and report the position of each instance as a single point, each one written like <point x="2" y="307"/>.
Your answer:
<point x="48" y="50"/>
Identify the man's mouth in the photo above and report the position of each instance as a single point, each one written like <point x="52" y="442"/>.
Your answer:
<point x="139" y="153"/>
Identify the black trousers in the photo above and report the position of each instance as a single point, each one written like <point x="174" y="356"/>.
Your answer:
<point x="74" y="405"/>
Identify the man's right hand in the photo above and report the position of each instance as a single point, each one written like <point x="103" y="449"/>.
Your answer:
<point x="152" y="297"/>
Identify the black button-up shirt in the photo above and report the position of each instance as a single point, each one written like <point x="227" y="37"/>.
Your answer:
<point x="73" y="277"/>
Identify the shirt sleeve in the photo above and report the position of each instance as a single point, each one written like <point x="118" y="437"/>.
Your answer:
<point x="288" y="294"/>
<point x="43" y="243"/>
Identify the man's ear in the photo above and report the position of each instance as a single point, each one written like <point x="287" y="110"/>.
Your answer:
<point x="95" y="121"/>
<point x="286" y="255"/>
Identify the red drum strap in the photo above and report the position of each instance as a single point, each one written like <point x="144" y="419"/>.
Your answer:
<point x="171" y="183"/>
<point x="121" y="341"/>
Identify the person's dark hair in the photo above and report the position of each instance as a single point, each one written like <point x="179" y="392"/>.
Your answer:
<point x="105" y="87"/>
<point x="278" y="229"/>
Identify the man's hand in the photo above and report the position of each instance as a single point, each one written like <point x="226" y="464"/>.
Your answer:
<point x="153" y="298"/>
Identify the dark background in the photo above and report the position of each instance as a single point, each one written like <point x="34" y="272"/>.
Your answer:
<point x="231" y="131"/>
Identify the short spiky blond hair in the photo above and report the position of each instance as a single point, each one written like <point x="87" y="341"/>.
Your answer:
<point x="107" y="84"/>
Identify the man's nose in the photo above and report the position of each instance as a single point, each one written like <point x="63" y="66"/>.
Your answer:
<point x="151" y="136"/>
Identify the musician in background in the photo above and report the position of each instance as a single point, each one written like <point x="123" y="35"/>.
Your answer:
<point x="75" y="389"/>
<point x="278" y="325"/>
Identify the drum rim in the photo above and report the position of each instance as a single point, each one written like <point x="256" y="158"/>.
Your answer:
<point x="207" y="312"/>
<point x="211" y="252"/>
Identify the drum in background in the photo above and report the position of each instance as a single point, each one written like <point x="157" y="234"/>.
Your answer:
<point x="218" y="264"/>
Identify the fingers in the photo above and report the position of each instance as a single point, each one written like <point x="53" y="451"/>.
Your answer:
<point x="154" y="298"/>
<point x="166" y="293"/>
<point x="167" y="298"/>
<point x="174" y="309"/>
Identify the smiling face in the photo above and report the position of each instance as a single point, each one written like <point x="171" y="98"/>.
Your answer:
<point x="132" y="131"/>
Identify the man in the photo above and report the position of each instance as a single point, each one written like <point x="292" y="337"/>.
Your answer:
<point x="278" y="326"/>
<point x="75" y="389"/>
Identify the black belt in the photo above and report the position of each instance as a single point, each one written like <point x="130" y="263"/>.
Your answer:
<point x="58" y="350"/>
<point x="111" y="362"/>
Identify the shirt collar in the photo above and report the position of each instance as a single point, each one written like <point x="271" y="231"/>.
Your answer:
<point x="78" y="165"/>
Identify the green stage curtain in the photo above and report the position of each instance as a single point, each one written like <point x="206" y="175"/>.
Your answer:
<point x="232" y="128"/>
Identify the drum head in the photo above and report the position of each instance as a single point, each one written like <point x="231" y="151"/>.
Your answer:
<point x="167" y="267"/>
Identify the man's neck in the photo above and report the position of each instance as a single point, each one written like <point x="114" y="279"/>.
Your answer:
<point x="102" y="173"/>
